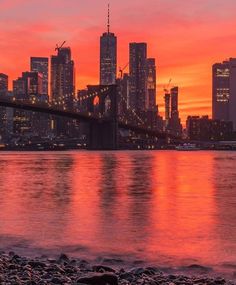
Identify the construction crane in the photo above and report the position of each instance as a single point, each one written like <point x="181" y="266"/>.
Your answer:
<point x="166" y="88"/>
<point x="57" y="48"/>
<point x="121" y="70"/>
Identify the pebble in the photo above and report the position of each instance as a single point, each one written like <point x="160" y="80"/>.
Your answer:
<point x="45" y="271"/>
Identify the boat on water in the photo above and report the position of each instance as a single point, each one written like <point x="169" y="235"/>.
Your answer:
<point x="187" y="147"/>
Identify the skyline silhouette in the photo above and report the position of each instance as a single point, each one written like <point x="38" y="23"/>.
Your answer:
<point x="185" y="41"/>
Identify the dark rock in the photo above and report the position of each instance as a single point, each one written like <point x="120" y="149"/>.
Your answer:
<point x="102" y="268"/>
<point x="11" y="253"/>
<point x="127" y="276"/>
<point x="36" y="263"/>
<point x="220" y="281"/>
<point x="199" y="268"/>
<point x="99" y="279"/>
<point x="56" y="280"/>
<point x="64" y="258"/>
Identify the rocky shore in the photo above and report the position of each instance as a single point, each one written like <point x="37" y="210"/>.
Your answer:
<point x="16" y="270"/>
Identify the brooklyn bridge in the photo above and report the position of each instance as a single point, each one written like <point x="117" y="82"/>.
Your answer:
<point x="101" y="116"/>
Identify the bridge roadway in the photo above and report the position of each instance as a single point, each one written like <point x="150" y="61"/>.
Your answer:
<point x="81" y="116"/>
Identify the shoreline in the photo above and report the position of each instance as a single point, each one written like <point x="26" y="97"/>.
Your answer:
<point x="17" y="270"/>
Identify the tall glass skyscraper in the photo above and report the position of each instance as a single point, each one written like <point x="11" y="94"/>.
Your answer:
<point x="138" y="79"/>
<point x="108" y="56"/>
<point x="63" y="77"/>
<point x="151" y="85"/>
<point x="224" y="91"/>
<point x="40" y="65"/>
<point x="3" y="84"/>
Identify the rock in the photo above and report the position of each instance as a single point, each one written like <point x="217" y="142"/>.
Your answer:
<point x="56" y="280"/>
<point x="36" y="263"/>
<point x="127" y="276"/>
<point x="63" y="258"/>
<point x="102" y="268"/>
<point x="99" y="279"/>
<point x="199" y="268"/>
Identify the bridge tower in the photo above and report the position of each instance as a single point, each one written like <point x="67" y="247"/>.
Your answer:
<point x="103" y="133"/>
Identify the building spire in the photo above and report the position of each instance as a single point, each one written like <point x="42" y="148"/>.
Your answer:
<point x="108" y="19"/>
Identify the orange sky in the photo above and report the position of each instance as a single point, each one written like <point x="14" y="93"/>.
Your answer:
<point x="185" y="36"/>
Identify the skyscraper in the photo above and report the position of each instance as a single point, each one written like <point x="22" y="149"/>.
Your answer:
<point x="63" y="77"/>
<point x="3" y="111"/>
<point x="40" y="65"/>
<point x="224" y="91"/>
<point x="63" y="88"/>
<point x="175" y="126"/>
<point x="29" y="86"/>
<point x="108" y="56"/>
<point x="137" y="66"/>
<point x="34" y="84"/>
<point x="174" y="93"/>
<point x="3" y="84"/>
<point x="151" y="84"/>
<point x="167" y="108"/>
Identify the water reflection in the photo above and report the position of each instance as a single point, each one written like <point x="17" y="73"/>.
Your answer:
<point x="168" y="207"/>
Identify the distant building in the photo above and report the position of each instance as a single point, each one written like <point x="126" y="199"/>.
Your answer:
<point x="3" y="111"/>
<point x="29" y="87"/>
<point x="167" y="108"/>
<point x="151" y="84"/>
<point x="123" y="95"/>
<point x="205" y="129"/>
<point x="63" y="89"/>
<point x="3" y="84"/>
<point x="34" y="84"/>
<point x="138" y="79"/>
<point x="174" y="125"/>
<point x="63" y="78"/>
<point x="224" y="91"/>
<point x="22" y="120"/>
<point x="108" y="56"/>
<point x="40" y="65"/>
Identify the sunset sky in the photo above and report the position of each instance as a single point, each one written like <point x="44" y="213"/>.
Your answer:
<point x="185" y="36"/>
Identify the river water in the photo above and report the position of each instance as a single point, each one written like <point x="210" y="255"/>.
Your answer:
<point x="163" y="207"/>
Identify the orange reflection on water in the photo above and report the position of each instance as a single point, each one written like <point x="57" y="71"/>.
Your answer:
<point x="166" y="207"/>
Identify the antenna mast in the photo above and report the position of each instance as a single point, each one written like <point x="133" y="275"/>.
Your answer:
<point x="108" y="19"/>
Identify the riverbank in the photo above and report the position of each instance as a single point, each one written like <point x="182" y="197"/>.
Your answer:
<point x="18" y="270"/>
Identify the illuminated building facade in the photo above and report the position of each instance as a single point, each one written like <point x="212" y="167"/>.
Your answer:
<point x="137" y="69"/>
<point x="63" y="78"/>
<point x="224" y="91"/>
<point x="29" y="87"/>
<point x="151" y="84"/>
<point x="174" y="125"/>
<point x="40" y="65"/>
<point x="3" y="111"/>
<point x="3" y="84"/>
<point x="63" y="89"/>
<point x="108" y="56"/>
<point x="205" y="129"/>
<point x="167" y="108"/>
<point x="33" y="84"/>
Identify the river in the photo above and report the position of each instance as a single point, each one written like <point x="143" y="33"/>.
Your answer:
<point x="160" y="207"/>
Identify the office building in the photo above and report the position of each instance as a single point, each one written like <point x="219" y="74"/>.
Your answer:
<point x="137" y="67"/>
<point x="224" y="91"/>
<point x="151" y="84"/>
<point x="108" y="56"/>
<point x="3" y="84"/>
<point x="40" y="65"/>
<point x="63" y="89"/>
<point x="63" y="78"/>
<point x="174" y="125"/>
<point x="205" y="129"/>
<point x="3" y="110"/>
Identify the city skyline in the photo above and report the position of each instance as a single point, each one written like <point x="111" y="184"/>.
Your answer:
<point x="187" y="60"/>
